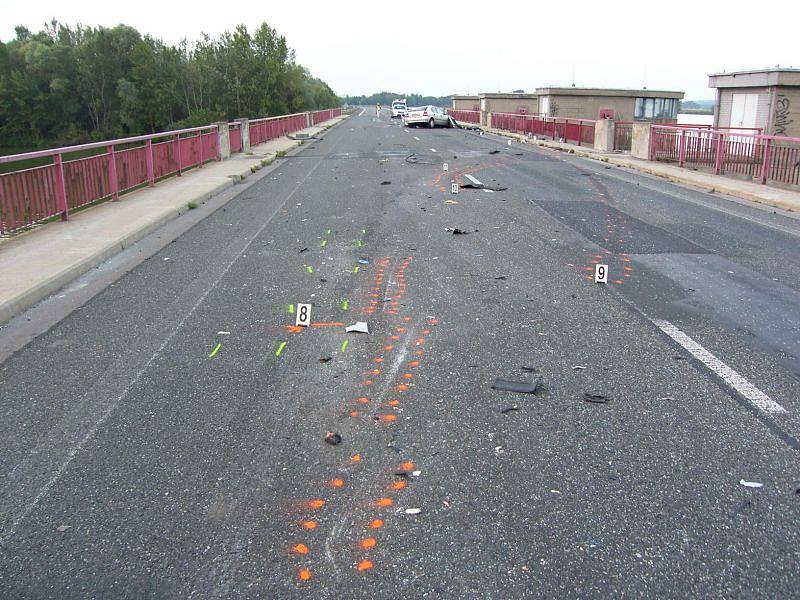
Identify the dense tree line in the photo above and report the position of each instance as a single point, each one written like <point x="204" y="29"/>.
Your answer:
<point x="67" y="84"/>
<point x="385" y="99"/>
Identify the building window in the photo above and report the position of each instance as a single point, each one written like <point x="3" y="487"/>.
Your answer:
<point x="655" y="109"/>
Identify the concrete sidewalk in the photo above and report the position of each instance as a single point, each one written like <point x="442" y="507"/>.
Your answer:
<point x="754" y="192"/>
<point x="37" y="263"/>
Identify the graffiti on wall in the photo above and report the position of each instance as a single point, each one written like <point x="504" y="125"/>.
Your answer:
<point x="782" y="115"/>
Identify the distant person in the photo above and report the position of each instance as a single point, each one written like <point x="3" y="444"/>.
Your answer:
<point x="378" y="110"/>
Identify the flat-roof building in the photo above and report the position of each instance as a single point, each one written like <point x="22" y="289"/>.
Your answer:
<point x="600" y="103"/>
<point x="763" y="98"/>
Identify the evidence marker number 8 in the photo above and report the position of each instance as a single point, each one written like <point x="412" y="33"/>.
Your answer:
<point x="601" y="273"/>
<point x="303" y="318"/>
<point x="454" y="188"/>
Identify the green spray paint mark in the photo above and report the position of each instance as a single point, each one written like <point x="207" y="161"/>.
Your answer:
<point x="291" y="309"/>
<point x="324" y="243"/>
<point x="359" y="243"/>
<point x="215" y="350"/>
<point x="356" y="270"/>
<point x="363" y="232"/>
<point x="308" y="269"/>
<point x="328" y="232"/>
<point x="345" y="344"/>
<point x="345" y="304"/>
<point x="280" y="348"/>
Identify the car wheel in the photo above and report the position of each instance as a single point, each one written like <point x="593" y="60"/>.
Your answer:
<point x="431" y="123"/>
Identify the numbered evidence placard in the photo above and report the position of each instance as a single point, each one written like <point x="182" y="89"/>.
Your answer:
<point x="454" y="188"/>
<point x="303" y="317"/>
<point x="445" y="167"/>
<point x="601" y="273"/>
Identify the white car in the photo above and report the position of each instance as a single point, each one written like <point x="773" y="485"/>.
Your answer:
<point x="399" y="108"/>
<point x="427" y="115"/>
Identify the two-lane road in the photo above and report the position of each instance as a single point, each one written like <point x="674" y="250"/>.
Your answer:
<point x="168" y="438"/>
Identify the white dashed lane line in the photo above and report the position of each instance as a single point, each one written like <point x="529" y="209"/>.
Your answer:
<point x="472" y="179"/>
<point x="433" y="149"/>
<point x="362" y="111"/>
<point x="416" y="138"/>
<point x="742" y="386"/>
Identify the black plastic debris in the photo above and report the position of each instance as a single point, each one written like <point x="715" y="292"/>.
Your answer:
<point x="402" y="475"/>
<point x="510" y="409"/>
<point x="386" y="183"/>
<point x="325" y="359"/>
<point x="530" y="369"/>
<point x="501" y="277"/>
<point x="494" y="151"/>
<point x="483" y="186"/>
<point x="595" y="398"/>
<point x="302" y="250"/>
<point x="520" y="387"/>
<point x="457" y="231"/>
<point x="334" y="439"/>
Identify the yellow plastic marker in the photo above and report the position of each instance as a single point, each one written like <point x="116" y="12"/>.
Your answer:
<point x="345" y="304"/>
<point x="309" y="269"/>
<point x="215" y="350"/>
<point x="345" y="344"/>
<point x="280" y="349"/>
<point x="324" y="243"/>
<point x="356" y="270"/>
<point x="291" y="309"/>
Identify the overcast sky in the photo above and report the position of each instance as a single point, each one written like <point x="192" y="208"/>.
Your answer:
<point x="463" y="47"/>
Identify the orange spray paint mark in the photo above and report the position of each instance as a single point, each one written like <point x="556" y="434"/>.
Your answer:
<point x="379" y="360"/>
<point x="413" y="363"/>
<point x="355" y="458"/>
<point x="384" y="502"/>
<point x="419" y="352"/>
<point x="426" y="331"/>
<point x="362" y="400"/>
<point x="368" y="543"/>
<point x="407" y="466"/>
<point x="337" y="482"/>
<point x="394" y="402"/>
<point x="367" y="382"/>
<point x="408" y="376"/>
<point x="310" y="525"/>
<point x="304" y="574"/>
<point x="388" y="348"/>
<point x="365" y="565"/>
<point x="354" y="413"/>
<point x="401" y="387"/>
<point x="387" y="418"/>
<point x="407" y="319"/>
<point x="300" y="549"/>
<point x="376" y="524"/>
<point x="399" y="485"/>
<point x="400" y="330"/>
<point x="318" y="503"/>
<point x="374" y="372"/>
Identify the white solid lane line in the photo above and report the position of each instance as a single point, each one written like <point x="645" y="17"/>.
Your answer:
<point x="362" y="111"/>
<point x="416" y="138"/>
<point x="433" y="150"/>
<point x="758" y="398"/>
<point x="472" y="179"/>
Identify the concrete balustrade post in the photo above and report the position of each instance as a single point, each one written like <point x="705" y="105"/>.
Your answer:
<point x="488" y="119"/>
<point x="604" y="135"/>
<point x="309" y="119"/>
<point x="244" y="127"/>
<point x="640" y="140"/>
<point x="223" y="141"/>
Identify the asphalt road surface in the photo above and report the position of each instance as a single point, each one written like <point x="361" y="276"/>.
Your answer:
<point x="167" y="438"/>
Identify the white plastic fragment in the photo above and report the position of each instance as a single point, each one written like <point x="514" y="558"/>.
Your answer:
<point x="413" y="511"/>
<point x="357" y="327"/>
<point x="416" y="473"/>
<point x="223" y="333"/>
<point x="750" y="484"/>
<point x="578" y="368"/>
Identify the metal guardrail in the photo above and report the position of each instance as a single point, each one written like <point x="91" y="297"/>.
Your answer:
<point x="580" y="131"/>
<point x="766" y="158"/>
<point x="466" y="116"/>
<point x="88" y="173"/>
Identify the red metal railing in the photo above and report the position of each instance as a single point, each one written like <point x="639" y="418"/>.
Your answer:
<point x="767" y="158"/>
<point x="74" y="179"/>
<point x="75" y="176"/>
<point x="270" y="128"/>
<point x="319" y="116"/>
<point x="466" y="116"/>
<point x="580" y="131"/>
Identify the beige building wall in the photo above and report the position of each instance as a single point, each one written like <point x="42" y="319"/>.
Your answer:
<point x="785" y="114"/>
<point x="466" y="103"/>
<point x="588" y="107"/>
<point x="511" y="105"/>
